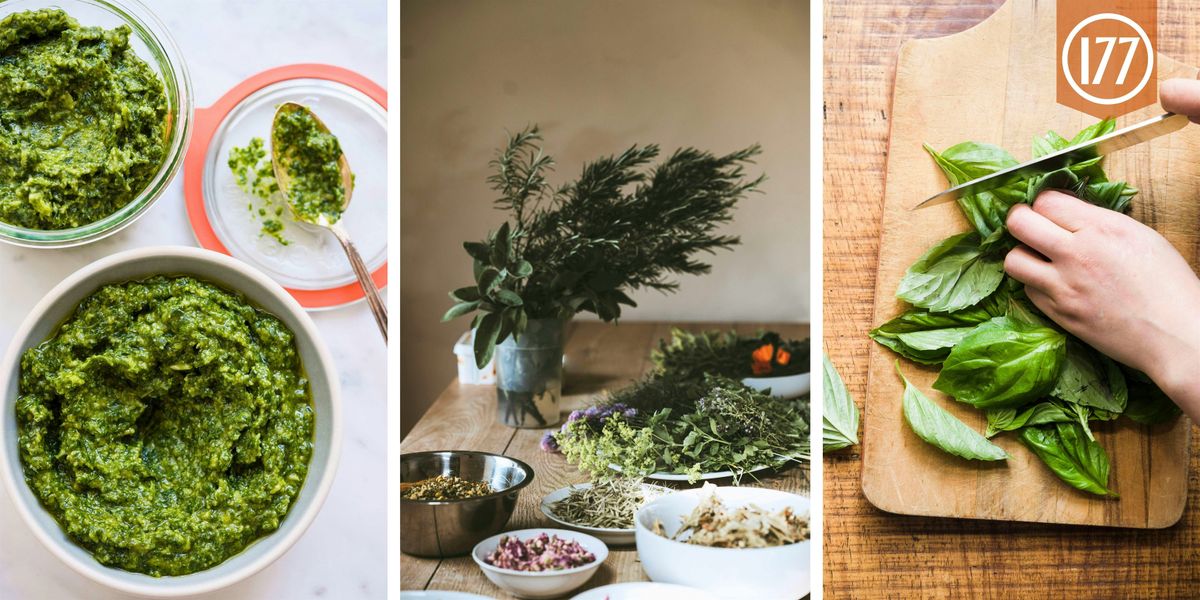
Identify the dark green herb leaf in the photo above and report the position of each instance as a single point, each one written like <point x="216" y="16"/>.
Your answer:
<point x="927" y="337"/>
<point x="465" y="294"/>
<point x="508" y="297"/>
<point x="953" y="275"/>
<point x="1071" y="455"/>
<point x="478" y="250"/>
<point x="500" y="247"/>
<point x="460" y="309"/>
<point x="1003" y="364"/>
<point x="938" y="427"/>
<point x="488" y="281"/>
<point x="486" y="336"/>
<point x="839" y="427"/>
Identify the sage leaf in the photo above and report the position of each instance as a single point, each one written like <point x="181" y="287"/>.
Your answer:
<point x="460" y="309"/>
<point x="1077" y="460"/>
<point x="1003" y="364"/>
<point x="953" y="275"/>
<point x="486" y="335"/>
<point x="839" y="427"/>
<point x="938" y="427"/>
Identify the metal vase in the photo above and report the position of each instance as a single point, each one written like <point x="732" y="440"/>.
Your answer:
<point x="529" y="375"/>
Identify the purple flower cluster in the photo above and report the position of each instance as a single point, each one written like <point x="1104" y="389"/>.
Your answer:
<point x="593" y="417"/>
<point x="540" y="553"/>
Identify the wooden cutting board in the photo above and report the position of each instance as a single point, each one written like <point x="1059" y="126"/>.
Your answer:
<point x="995" y="83"/>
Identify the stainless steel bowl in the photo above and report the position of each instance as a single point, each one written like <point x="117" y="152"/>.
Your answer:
<point x="453" y="527"/>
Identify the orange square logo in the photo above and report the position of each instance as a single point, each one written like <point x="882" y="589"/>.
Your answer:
<point x="1106" y="55"/>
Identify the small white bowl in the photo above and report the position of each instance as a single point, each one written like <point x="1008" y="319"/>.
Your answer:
<point x="644" y="590"/>
<point x="608" y="535"/>
<point x="543" y="584"/>
<point x="777" y="573"/>
<point x="233" y="275"/>
<point x="787" y="387"/>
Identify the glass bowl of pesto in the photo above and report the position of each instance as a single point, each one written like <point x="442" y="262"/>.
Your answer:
<point x="109" y="73"/>
<point x="204" y="429"/>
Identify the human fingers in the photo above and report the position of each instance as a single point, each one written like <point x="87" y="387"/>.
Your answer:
<point x="1066" y="210"/>
<point x="1037" y="231"/>
<point x="1181" y="96"/>
<point x="1029" y="268"/>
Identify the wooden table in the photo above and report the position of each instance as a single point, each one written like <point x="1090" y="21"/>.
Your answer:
<point x="599" y="356"/>
<point x="869" y="553"/>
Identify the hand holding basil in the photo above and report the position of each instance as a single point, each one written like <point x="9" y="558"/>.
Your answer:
<point x="996" y="351"/>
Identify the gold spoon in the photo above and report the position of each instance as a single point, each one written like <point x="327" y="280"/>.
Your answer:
<point x="378" y="308"/>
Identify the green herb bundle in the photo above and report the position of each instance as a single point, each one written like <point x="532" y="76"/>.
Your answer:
<point x="622" y="225"/>
<point x="996" y="351"/>
<point x="664" y="423"/>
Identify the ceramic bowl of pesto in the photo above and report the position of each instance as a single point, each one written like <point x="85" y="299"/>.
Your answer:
<point x="83" y="193"/>
<point x="64" y="304"/>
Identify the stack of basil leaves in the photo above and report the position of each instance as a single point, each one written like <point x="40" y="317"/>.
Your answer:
<point x="996" y="351"/>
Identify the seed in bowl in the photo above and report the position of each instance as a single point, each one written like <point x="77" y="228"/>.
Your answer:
<point x="540" y="553"/>
<point x="444" y="487"/>
<point x="713" y="524"/>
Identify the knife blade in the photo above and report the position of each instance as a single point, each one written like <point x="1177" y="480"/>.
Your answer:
<point x="1103" y="145"/>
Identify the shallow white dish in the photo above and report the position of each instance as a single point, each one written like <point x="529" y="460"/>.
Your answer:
<point x="788" y="387"/>
<point x="644" y="590"/>
<point x="442" y="595"/>
<point x="778" y="573"/>
<point x="608" y="535"/>
<point x="233" y="275"/>
<point x="544" y="584"/>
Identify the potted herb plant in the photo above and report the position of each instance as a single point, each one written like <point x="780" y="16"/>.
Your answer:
<point x="625" y="224"/>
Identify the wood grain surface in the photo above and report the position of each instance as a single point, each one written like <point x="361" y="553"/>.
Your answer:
<point x="1012" y="98"/>
<point x="870" y="553"/>
<point x="598" y="357"/>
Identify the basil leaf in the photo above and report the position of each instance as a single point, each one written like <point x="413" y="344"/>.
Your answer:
<point x="1148" y="404"/>
<point x="970" y="160"/>
<point x="927" y="337"/>
<point x="1049" y="144"/>
<point x="1011" y="419"/>
<point x="938" y="427"/>
<point x="1074" y="458"/>
<point x="953" y="275"/>
<point x="839" y="427"/>
<point x="1093" y="131"/>
<point x="1091" y="379"/>
<point x="1003" y="364"/>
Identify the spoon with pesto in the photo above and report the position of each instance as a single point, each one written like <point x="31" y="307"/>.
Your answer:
<point x="315" y="179"/>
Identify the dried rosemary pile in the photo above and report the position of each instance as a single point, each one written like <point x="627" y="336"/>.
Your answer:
<point x="608" y="503"/>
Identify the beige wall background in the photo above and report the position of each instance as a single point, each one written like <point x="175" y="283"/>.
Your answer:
<point x="597" y="76"/>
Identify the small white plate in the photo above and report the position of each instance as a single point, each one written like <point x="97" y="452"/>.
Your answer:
<point x="608" y="535"/>
<point x="645" y="590"/>
<point x="788" y="388"/>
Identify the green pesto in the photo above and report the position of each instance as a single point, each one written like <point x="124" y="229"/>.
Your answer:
<point x="83" y="121"/>
<point x="253" y="174"/>
<point x="166" y="425"/>
<point x="311" y="157"/>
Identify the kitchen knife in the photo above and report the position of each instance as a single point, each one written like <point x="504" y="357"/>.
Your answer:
<point x="1103" y="145"/>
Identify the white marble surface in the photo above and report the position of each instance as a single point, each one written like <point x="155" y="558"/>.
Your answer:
<point x="343" y="554"/>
